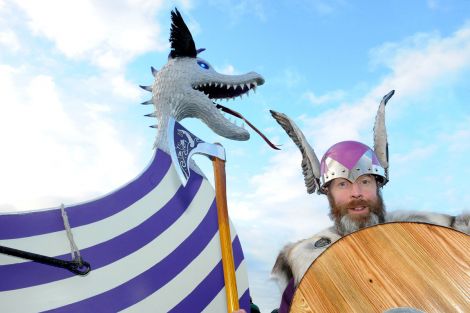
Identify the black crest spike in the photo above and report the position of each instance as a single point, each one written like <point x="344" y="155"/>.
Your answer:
<point x="182" y="43"/>
<point x="153" y="114"/>
<point x="146" y="88"/>
<point x="154" y="71"/>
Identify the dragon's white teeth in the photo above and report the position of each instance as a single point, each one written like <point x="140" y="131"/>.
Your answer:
<point x="205" y="84"/>
<point x="247" y="86"/>
<point x="215" y="84"/>
<point x="210" y="84"/>
<point x="228" y="86"/>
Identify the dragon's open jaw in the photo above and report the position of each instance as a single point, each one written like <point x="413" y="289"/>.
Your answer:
<point x="219" y="90"/>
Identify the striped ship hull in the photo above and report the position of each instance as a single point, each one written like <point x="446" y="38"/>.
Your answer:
<point x="153" y="246"/>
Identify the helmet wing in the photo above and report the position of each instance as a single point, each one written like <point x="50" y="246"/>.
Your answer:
<point x="380" y="134"/>
<point x="310" y="163"/>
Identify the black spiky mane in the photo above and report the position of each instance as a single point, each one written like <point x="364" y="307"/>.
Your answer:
<point x="182" y="43"/>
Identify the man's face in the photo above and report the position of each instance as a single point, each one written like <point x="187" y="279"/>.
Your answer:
<point x="355" y="205"/>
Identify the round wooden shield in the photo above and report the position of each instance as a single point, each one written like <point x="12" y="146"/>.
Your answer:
<point x="414" y="266"/>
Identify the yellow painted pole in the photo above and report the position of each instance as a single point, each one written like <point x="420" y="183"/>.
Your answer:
<point x="225" y="238"/>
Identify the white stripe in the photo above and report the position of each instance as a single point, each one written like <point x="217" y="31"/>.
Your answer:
<point x="219" y="304"/>
<point x="60" y="293"/>
<point x="85" y="236"/>
<point x="175" y="291"/>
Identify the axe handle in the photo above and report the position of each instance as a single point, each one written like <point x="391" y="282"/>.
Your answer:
<point x="225" y="238"/>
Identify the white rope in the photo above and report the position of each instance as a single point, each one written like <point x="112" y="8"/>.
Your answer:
<point x="73" y="247"/>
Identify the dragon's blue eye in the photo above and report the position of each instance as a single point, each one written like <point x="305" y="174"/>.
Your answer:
<point x="204" y="65"/>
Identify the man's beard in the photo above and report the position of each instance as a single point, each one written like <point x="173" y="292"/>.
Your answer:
<point x="347" y="223"/>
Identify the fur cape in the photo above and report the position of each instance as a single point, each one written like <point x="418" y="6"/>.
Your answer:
<point x="295" y="258"/>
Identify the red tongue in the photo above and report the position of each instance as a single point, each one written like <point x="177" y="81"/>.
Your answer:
<point x="235" y="113"/>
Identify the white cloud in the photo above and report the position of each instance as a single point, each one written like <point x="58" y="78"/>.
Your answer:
<point x="108" y="34"/>
<point x="56" y="153"/>
<point x="331" y="96"/>
<point x="433" y="4"/>
<point x="417" y="64"/>
<point x="9" y="40"/>
<point x="227" y="70"/>
<point x="240" y="8"/>
<point x="422" y="60"/>
<point x="124" y="89"/>
<point x="277" y="199"/>
<point x="291" y="77"/>
<point x="414" y="156"/>
<point x="459" y="140"/>
<point x="322" y="7"/>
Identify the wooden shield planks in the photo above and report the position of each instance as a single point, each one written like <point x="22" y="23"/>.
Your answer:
<point x="416" y="265"/>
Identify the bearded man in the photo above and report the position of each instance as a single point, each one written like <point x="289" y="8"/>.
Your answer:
<point x="351" y="175"/>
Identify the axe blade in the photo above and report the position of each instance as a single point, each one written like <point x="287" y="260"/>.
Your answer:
<point x="183" y="144"/>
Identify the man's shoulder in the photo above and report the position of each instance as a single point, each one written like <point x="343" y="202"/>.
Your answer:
<point x="295" y="258"/>
<point x="319" y="241"/>
<point x="459" y="222"/>
<point x="419" y="216"/>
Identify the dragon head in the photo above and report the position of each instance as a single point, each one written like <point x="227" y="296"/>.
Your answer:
<point x="188" y="86"/>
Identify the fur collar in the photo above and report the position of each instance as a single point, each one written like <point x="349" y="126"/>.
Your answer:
<point x="295" y="258"/>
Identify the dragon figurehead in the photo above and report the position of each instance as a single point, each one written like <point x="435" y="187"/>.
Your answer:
<point x="188" y="86"/>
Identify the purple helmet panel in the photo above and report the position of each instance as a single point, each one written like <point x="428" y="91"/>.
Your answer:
<point x="347" y="153"/>
<point x="349" y="159"/>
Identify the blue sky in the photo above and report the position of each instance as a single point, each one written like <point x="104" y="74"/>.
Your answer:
<point x="71" y="127"/>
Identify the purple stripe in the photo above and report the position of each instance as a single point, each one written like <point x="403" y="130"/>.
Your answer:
<point x="245" y="302"/>
<point x="36" y="223"/>
<point x="210" y="287"/>
<point x="143" y="285"/>
<point x="22" y="275"/>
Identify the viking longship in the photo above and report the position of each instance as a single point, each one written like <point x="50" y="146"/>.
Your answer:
<point x="152" y="246"/>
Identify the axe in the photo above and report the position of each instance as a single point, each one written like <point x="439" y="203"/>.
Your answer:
<point x="183" y="144"/>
